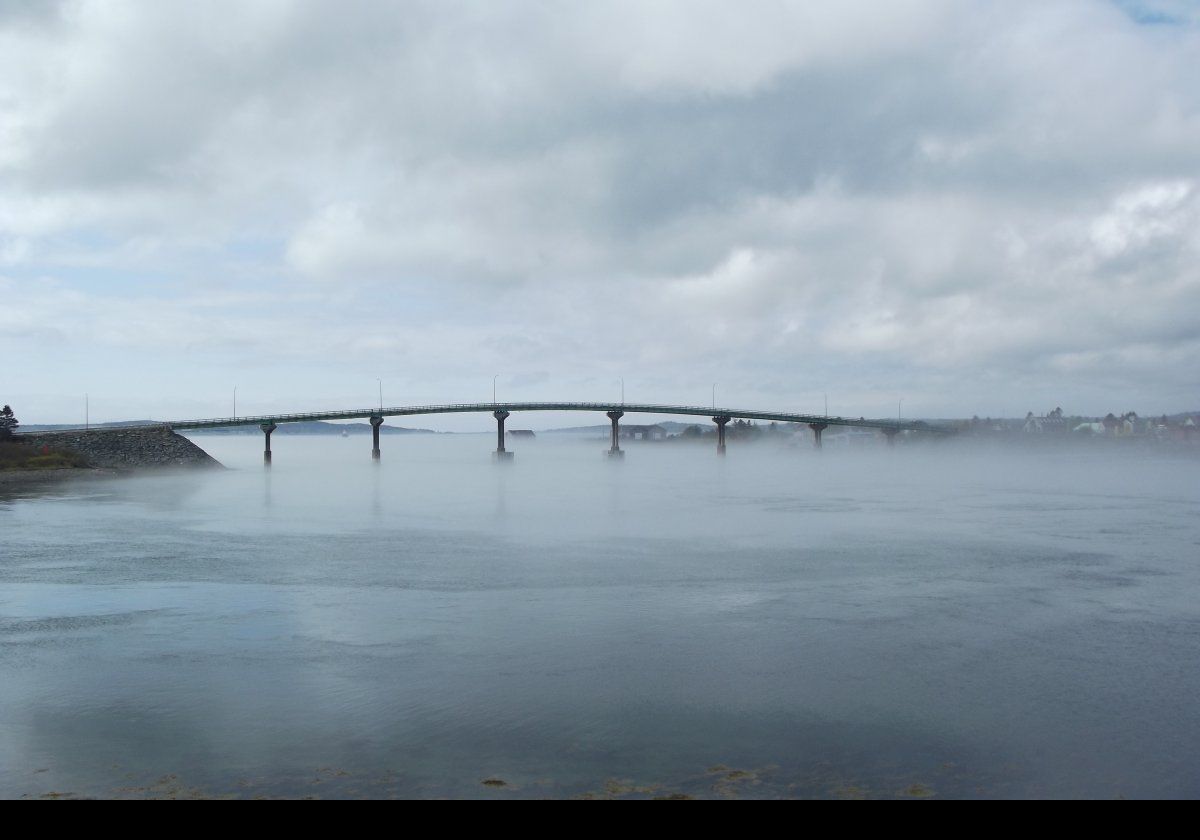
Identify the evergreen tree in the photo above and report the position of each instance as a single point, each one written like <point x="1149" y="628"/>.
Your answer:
<point x="8" y="423"/>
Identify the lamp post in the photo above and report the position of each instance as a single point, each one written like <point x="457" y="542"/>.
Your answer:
<point x="235" y="402"/>
<point x="87" y="418"/>
<point x="380" y="381"/>
<point x="714" y="395"/>
<point x="494" y="378"/>
<point x="898" y="407"/>
<point x="622" y="391"/>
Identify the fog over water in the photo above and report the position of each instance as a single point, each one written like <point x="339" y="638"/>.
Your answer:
<point x="931" y="619"/>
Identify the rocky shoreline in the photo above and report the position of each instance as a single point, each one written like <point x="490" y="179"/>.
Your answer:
<point x="125" y="450"/>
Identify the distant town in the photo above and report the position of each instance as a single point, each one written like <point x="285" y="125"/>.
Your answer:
<point x="1055" y="425"/>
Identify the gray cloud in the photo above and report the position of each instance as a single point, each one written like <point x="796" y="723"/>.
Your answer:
<point x="976" y="206"/>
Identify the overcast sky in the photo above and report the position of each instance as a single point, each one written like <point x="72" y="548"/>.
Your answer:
<point x="976" y="207"/>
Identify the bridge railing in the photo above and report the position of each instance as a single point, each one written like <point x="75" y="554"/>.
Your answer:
<point x="633" y="408"/>
<point x="461" y="408"/>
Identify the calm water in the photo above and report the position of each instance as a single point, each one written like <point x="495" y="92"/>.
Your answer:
<point x="878" y="623"/>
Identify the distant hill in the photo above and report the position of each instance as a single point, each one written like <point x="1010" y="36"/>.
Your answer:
<point x="314" y="427"/>
<point x="53" y="427"/>
<point x="673" y="427"/>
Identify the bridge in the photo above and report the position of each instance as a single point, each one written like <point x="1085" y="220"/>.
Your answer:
<point x="502" y="410"/>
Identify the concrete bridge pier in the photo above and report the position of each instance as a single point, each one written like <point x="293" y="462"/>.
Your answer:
<point x="267" y="429"/>
<point x="501" y="454"/>
<point x="817" y="428"/>
<point x="614" y="451"/>
<point x="376" y="422"/>
<point x="721" y="420"/>
<point x="890" y="434"/>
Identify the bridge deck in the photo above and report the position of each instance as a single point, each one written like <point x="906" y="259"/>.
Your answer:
<point x="464" y="408"/>
<point x="628" y="408"/>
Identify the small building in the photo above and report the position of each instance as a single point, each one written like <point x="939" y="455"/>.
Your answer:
<point x="1053" y="422"/>
<point x="651" y="432"/>
<point x="520" y="433"/>
<point x="1185" y="430"/>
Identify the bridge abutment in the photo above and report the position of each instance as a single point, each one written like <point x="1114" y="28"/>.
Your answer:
<point x="501" y="454"/>
<point x="614" y="451"/>
<point x="375" y="422"/>
<point x="721" y="420"/>
<point x="267" y="428"/>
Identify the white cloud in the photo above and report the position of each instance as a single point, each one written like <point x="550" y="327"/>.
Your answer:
<point x="802" y="196"/>
<point x="1149" y="214"/>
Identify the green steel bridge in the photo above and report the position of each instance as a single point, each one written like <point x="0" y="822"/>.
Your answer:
<point x="501" y="411"/>
<point x="603" y="408"/>
<point x="614" y="411"/>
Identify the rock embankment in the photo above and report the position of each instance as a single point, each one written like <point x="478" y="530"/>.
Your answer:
<point x="128" y="449"/>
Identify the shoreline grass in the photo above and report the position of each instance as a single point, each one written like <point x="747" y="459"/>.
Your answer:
<point x="18" y="455"/>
